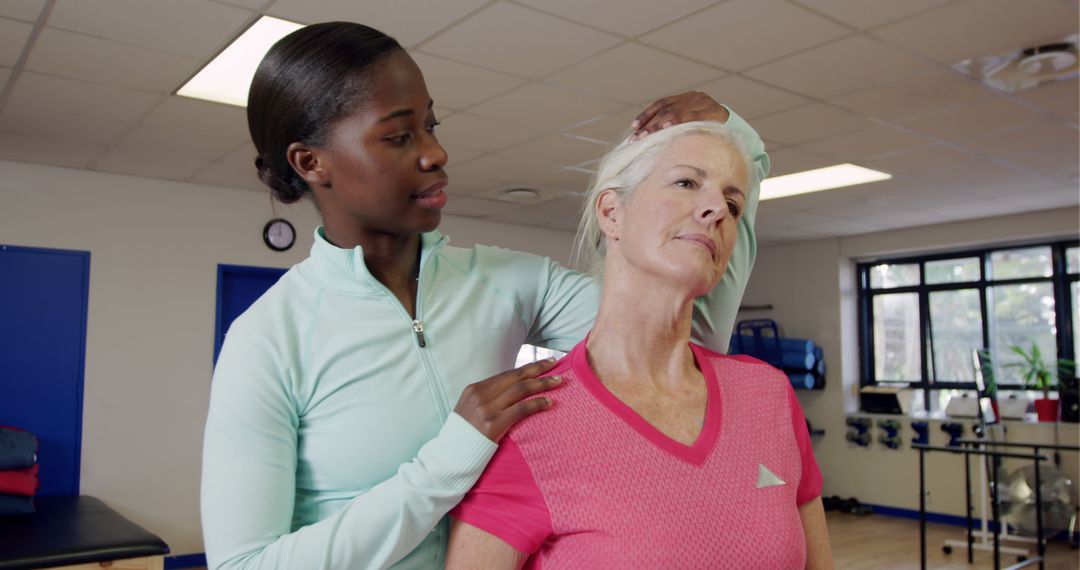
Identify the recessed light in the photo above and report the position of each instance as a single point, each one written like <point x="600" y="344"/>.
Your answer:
<point x="819" y="179"/>
<point x="227" y="77"/>
<point x="521" y="194"/>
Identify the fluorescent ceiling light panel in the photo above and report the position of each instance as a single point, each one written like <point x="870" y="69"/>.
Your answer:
<point x="819" y="179"/>
<point x="227" y="77"/>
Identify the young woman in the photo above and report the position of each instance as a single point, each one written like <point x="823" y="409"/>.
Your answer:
<point x="660" y="452"/>
<point x="342" y="423"/>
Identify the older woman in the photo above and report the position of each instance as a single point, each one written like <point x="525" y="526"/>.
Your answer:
<point x="658" y="453"/>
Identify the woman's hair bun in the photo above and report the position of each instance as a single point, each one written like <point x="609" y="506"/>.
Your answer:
<point x="285" y="191"/>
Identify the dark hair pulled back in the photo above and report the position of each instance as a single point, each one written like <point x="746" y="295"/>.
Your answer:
<point x="308" y="80"/>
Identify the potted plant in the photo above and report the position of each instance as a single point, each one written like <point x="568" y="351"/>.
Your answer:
<point x="1037" y="375"/>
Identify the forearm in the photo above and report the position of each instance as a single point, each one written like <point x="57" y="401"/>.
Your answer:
<point x="818" y="549"/>
<point x="715" y="313"/>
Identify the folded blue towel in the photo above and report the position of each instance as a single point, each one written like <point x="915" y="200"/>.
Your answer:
<point x="17" y="448"/>
<point x="16" y="505"/>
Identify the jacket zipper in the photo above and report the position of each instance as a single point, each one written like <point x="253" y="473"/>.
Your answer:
<point x="418" y="328"/>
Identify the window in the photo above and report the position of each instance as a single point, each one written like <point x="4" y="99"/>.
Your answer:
<point x="920" y="317"/>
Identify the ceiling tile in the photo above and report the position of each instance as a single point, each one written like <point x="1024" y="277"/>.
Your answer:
<point x="197" y="28"/>
<point x="616" y="74"/>
<point x="199" y="118"/>
<point x="560" y="214"/>
<point x="230" y="174"/>
<point x="617" y="16"/>
<point x="13" y="36"/>
<point x="49" y="93"/>
<point x="254" y="5"/>
<point x="1028" y="138"/>
<point x="789" y="160"/>
<point x="987" y="27"/>
<point x="864" y="14"/>
<point x="476" y="207"/>
<point x="841" y="227"/>
<point x="802" y="124"/>
<point x="840" y="67"/>
<point x="544" y="106"/>
<point x="149" y="162"/>
<point x="410" y="21"/>
<point x="749" y="98"/>
<point x="608" y="128"/>
<point x="1059" y="97"/>
<point x="457" y="86"/>
<point x="60" y="126"/>
<point x="739" y="34"/>
<point x="459" y="154"/>
<point x="513" y="39"/>
<point x="174" y="142"/>
<point x="877" y="140"/>
<point x="48" y="150"/>
<point x="961" y="123"/>
<point x="97" y="60"/>
<point x="506" y="172"/>
<point x="560" y="149"/>
<point x="915" y="95"/>
<point x="1059" y="163"/>
<point x="25" y="10"/>
<point x="919" y="161"/>
<point x="482" y="134"/>
<point x="981" y="177"/>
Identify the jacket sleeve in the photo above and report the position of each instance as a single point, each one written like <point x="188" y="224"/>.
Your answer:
<point x="568" y="300"/>
<point x="714" y="314"/>
<point x="249" y="478"/>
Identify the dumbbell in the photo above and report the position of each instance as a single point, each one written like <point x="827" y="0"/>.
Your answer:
<point x="922" y="433"/>
<point x="955" y="431"/>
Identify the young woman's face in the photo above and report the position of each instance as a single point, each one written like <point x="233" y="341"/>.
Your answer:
<point x="382" y="163"/>
<point x="681" y="221"/>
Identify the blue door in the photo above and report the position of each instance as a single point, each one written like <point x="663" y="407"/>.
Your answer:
<point x="43" y="297"/>
<point x="238" y="287"/>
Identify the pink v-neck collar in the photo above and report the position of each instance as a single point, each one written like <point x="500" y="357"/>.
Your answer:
<point x="696" y="453"/>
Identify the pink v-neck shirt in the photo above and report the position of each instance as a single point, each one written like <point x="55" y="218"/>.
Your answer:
<point x="591" y="484"/>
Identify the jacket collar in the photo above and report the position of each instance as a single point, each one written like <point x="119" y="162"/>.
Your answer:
<point x="344" y="270"/>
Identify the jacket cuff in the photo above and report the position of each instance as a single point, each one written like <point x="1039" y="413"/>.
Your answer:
<point x="460" y="454"/>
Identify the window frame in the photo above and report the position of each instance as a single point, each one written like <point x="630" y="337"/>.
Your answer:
<point x="1059" y="279"/>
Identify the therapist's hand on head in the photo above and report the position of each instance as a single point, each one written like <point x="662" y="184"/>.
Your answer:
<point x="493" y="405"/>
<point x="675" y="109"/>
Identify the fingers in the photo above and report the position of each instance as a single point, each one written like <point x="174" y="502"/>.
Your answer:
<point x="646" y="116"/>
<point x="681" y="108"/>
<point x="493" y="405"/>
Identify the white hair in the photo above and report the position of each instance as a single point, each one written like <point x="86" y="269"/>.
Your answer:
<point x="626" y="166"/>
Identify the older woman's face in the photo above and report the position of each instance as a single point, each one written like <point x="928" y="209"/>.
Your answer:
<point x="682" y="220"/>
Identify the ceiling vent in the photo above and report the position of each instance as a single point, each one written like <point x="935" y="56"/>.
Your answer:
<point x="1025" y="68"/>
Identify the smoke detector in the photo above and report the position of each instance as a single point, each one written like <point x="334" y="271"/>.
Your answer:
<point x="1025" y="68"/>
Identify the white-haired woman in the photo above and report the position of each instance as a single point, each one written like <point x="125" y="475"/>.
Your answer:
<point x="659" y="453"/>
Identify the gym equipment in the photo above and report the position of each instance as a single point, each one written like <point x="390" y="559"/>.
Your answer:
<point x="886" y="399"/>
<point x="922" y="433"/>
<point x="803" y="362"/>
<point x="891" y="438"/>
<point x="1018" y="500"/>
<point x="859" y="431"/>
<point x="891" y="441"/>
<point x="955" y="431"/>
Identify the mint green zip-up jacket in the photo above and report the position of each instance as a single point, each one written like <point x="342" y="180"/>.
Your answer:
<point x="331" y="441"/>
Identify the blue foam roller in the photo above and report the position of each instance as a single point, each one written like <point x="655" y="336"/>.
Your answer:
<point x="798" y="360"/>
<point x="802" y="380"/>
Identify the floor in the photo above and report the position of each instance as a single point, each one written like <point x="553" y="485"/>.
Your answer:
<point x="890" y="543"/>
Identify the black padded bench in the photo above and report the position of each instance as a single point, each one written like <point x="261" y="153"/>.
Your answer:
<point x="83" y="531"/>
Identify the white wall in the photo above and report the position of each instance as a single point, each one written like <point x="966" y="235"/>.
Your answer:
<point x="155" y="246"/>
<point x="813" y="291"/>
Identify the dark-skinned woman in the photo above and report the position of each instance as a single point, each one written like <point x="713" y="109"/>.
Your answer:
<point x="349" y="410"/>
